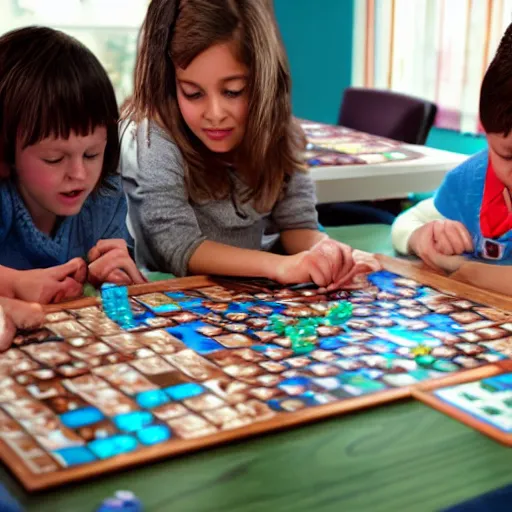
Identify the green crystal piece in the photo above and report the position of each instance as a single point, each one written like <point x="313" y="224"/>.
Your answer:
<point x="425" y="360"/>
<point x="445" y="366"/>
<point x="302" y="347"/>
<point x="339" y="313"/>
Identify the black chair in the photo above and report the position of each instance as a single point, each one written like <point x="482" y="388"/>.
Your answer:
<point x="387" y="114"/>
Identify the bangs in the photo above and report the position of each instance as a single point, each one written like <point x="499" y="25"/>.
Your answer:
<point x="71" y="98"/>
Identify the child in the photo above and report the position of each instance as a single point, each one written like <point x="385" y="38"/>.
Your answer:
<point x="213" y="173"/>
<point x="60" y="198"/>
<point x="471" y="213"/>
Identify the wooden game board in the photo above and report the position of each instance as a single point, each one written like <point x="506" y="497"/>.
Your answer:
<point x="81" y="397"/>
<point x="351" y="147"/>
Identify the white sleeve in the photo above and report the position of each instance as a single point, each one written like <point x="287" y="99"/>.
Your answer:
<point x="409" y="221"/>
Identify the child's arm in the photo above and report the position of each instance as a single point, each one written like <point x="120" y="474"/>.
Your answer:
<point x="409" y="221"/>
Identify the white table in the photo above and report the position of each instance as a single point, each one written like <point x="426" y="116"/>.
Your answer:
<point x="388" y="180"/>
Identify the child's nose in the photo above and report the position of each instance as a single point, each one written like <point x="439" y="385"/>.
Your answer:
<point x="215" y="110"/>
<point x="77" y="169"/>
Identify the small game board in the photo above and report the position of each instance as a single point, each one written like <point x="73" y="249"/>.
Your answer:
<point x="203" y="364"/>
<point x="350" y="147"/>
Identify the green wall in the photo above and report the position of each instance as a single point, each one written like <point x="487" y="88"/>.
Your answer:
<point x="318" y="39"/>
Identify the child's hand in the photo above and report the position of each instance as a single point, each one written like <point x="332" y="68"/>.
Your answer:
<point x="440" y="237"/>
<point x="16" y="314"/>
<point x="110" y="262"/>
<point x="326" y="263"/>
<point x="51" y="284"/>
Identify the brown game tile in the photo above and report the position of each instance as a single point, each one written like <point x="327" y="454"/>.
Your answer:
<point x="137" y="308"/>
<point x="244" y="372"/>
<point x="324" y="370"/>
<point x="489" y="358"/>
<point x="231" y="391"/>
<point x="216" y="307"/>
<point x="269" y="380"/>
<point x="9" y="427"/>
<point x="467" y="362"/>
<point x="446" y="337"/>
<point x="97" y="348"/>
<point x="165" y="380"/>
<point x="507" y="326"/>
<point x="169" y="411"/>
<point x="101" y="326"/>
<point x="35" y="376"/>
<point x="282" y="342"/>
<point x="10" y="390"/>
<point x="413" y="313"/>
<point x="225" y="358"/>
<point x="324" y="356"/>
<point x="273" y="366"/>
<point x="412" y="304"/>
<point x="379" y="321"/>
<point x="216" y="293"/>
<point x="44" y="390"/>
<point x="359" y="324"/>
<point x="265" y="336"/>
<point x="125" y="378"/>
<point x="25" y="447"/>
<point x="154" y="300"/>
<point x="160" y="321"/>
<point x="249" y="355"/>
<point x="470" y="349"/>
<point x="496" y="315"/>
<point x="114" y="358"/>
<point x="444" y="352"/>
<point x="292" y="404"/>
<point x="237" y="328"/>
<point x="277" y="354"/>
<point x="299" y="312"/>
<point x="492" y="333"/>
<point x="125" y="342"/>
<point x="234" y="340"/>
<point x="465" y="317"/>
<point x="81" y="342"/>
<point x="26" y="408"/>
<point x="191" y="426"/>
<point x="160" y="341"/>
<point x="362" y="311"/>
<point x="502" y="346"/>
<point x="261" y="310"/>
<point x="236" y="317"/>
<point x="68" y="329"/>
<point x="214" y="318"/>
<point x="408" y="283"/>
<point x="361" y="336"/>
<point x="58" y="316"/>
<point x="227" y="418"/>
<point x="463" y="304"/>
<point x="348" y="364"/>
<point x="263" y="296"/>
<point x="152" y="366"/>
<point x="444" y="309"/>
<point x="255" y="410"/>
<point x="14" y="361"/>
<point x="204" y="402"/>
<point x="42" y="464"/>
<point x="210" y="330"/>
<point x="185" y="317"/>
<point x="265" y="394"/>
<point x="52" y="436"/>
<point x="405" y="292"/>
<point x="257" y="323"/>
<point x="298" y="362"/>
<point x="88" y="312"/>
<point x="66" y="403"/>
<point x="328" y="330"/>
<point x="476" y="326"/>
<point x="386" y="296"/>
<point x="348" y="351"/>
<point x="193" y="365"/>
<point x="99" y="430"/>
<point x="53" y="353"/>
<point x="74" y="369"/>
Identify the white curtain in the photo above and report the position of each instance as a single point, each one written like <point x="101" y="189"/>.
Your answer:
<point x="434" y="49"/>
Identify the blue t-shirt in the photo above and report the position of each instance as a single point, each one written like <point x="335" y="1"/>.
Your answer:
<point x="460" y="198"/>
<point x="24" y="247"/>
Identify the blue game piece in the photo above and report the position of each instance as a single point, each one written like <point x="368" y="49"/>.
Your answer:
<point x="123" y="501"/>
<point x="116" y="305"/>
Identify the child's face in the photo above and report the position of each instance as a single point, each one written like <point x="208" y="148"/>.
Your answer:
<point x="55" y="176"/>
<point x="213" y="97"/>
<point x="500" y="152"/>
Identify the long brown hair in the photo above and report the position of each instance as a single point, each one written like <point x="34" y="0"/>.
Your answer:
<point x="174" y="33"/>
<point x="51" y="85"/>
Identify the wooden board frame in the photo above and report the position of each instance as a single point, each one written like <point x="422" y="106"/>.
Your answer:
<point x="37" y="482"/>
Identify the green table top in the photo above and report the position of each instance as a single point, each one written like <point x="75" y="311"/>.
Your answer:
<point x="398" y="457"/>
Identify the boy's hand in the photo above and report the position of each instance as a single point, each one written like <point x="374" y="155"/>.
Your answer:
<point x="440" y="237"/>
<point x="110" y="262"/>
<point x="51" y="284"/>
<point x="326" y="263"/>
<point x="16" y="314"/>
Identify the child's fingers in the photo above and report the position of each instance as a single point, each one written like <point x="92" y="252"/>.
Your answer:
<point x="319" y="268"/>
<point x="68" y="288"/>
<point x="73" y="267"/>
<point x="116" y="259"/>
<point x="25" y="315"/>
<point x="118" y="277"/>
<point x="7" y="330"/>
<point x="105" y="246"/>
<point x="466" y="237"/>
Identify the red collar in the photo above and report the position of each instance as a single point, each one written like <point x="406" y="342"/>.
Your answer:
<point x="495" y="216"/>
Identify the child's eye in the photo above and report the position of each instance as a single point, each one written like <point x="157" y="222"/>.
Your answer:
<point x="53" y="160"/>
<point x="91" y="157"/>
<point x="193" y="96"/>
<point x="233" y="94"/>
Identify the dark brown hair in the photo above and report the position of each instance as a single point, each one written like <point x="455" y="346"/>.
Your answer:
<point x="51" y="85"/>
<point x="174" y="33"/>
<point x="496" y="90"/>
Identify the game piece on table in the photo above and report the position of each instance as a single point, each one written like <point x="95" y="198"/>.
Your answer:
<point x="339" y="313"/>
<point x="123" y="501"/>
<point x="301" y="342"/>
<point x="116" y="304"/>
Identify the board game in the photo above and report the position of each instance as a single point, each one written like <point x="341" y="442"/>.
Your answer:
<point x="203" y="365"/>
<point x="336" y="145"/>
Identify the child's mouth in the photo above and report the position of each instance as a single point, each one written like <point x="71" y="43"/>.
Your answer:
<point x="72" y="193"/>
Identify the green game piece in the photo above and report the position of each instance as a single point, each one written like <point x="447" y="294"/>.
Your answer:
<point x="277" y="324"/>
<point x="306" y="329"/>
<point x="302" y="347"/>
<point x="339" y="313"/>
<point x="425" y="360"/>
<point x="445" y="366"/>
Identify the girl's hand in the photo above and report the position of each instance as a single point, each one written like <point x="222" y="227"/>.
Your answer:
<point x="440" y="238"/>
<point x="51" y="284"/>
<point x="326" y="263"/>
<point x="16" y="314"/>
<point x="110" y="262"/>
